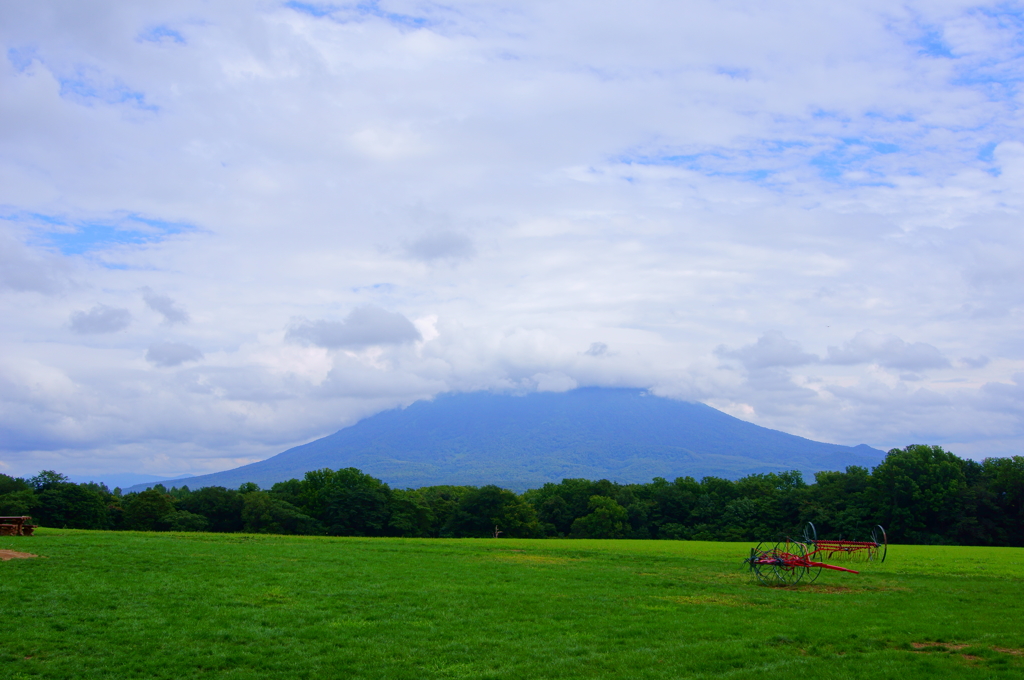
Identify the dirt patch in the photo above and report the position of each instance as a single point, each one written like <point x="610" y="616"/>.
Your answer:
<point x="928" y="647"/>
<point x="15" y="555"/>
<point x="938" y="646"/>
<point x="833" y="590"/>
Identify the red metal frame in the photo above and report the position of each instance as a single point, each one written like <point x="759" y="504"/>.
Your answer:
<point x="787" y="562"/>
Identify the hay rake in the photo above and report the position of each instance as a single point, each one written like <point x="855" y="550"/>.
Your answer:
<point x="786" y="563"/>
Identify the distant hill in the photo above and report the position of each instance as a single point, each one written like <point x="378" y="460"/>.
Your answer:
<point x="125" y="479"/>
<point x="521" y="442"/>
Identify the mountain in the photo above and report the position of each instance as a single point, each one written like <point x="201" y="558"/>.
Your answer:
<point x="521" y="442"/>
<point x="125" y="479"/>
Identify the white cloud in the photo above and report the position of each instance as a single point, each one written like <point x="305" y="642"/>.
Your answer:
<point x="443" y="245"/>
<point x="165" y="306"/>
<point x="771" y="350"/>
<point x="22" y="270"/>
<point x="554" y="382"/>
<point x="169" y="354"/>
<point x="887" y="350"/>
<point x="726" y="195"/>
<point x="363" y="327"/>
<point x="100" y="319"/>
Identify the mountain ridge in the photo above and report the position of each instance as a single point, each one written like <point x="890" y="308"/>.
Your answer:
<point x="519" y="442"/>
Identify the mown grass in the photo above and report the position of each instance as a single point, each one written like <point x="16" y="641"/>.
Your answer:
<point x="139" y="605"/>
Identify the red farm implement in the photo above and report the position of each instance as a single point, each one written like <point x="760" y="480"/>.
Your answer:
<point x="787" y="562"/>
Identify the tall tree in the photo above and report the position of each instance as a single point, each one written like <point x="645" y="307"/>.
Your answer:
<point x="410" y="514"/>
<point x="1006" y="483"/>
<point x="348" y="502"/>
<point x="10" y="484"/>
<point x="142" y="511"/>
<point x="264" y="514"/>
<point x="606" y="519"/>
<point x="918" y="491"/>
<point x="221" y="507"/>
<point x="62" y="504"/>
<point x="483" y="509"/>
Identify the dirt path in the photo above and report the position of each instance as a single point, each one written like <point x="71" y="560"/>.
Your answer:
<point x="14" y="555"/>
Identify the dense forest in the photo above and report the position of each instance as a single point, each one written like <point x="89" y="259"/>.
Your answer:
<point x="921" y="494"/>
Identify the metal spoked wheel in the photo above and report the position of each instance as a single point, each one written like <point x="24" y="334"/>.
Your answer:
<point x="881" y="540"/>
<point x="812" y="572"/>
<point x="760" y="563"/>
<point x="778" y="564"/>
<point x="787" y="573"/>
<point x="810" y="533"/>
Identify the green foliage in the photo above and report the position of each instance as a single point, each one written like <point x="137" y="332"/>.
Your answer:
<point x="182" y="520"/>
<point x="1006" y="485"/>
<point x="264" y="514"/>
<point x="921" y="494"/>
<point x="289" y="491"/>
<point x="672" y="504"/>
<point x="348" y="502"/>
<point x="18" y="503"/>
<point x="12" y="484"/>
<point x="45" y="479"/>
<point x="673" y="531"/>
<point x="143" y="511"/>
<point x="178" y="493"/>
<point x="410" y="514"/>
<point x="443" y="501"/>
<point x="517" y="518"/>
<point x="483" y="511"/>
<point x="918" y="492"/>
<point x="560" y="505"/>
<point x="840" y="503"/>
<point x="221" y="507"/>
<point x="607" y="519"/>
<point x="60" y="504"/>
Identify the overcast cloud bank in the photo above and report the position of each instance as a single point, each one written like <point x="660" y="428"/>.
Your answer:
<point x="229" y="228"/>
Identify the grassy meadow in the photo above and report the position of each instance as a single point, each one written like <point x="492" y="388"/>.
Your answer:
<point x="160" y="605"/>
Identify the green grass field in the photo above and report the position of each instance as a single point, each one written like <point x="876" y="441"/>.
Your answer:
<point x="136" y="605"/>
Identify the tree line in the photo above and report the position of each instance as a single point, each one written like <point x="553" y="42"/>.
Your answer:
<point x="920" y="494"/>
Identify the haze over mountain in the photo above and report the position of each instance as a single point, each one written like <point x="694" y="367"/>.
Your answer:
<point x="520" y="442"/>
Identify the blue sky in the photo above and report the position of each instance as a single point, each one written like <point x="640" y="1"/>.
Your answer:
<point x="229" y="228"/>
<point x="80" y="237"/>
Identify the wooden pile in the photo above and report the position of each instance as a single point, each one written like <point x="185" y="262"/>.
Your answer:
<point x="16" y="526"/>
